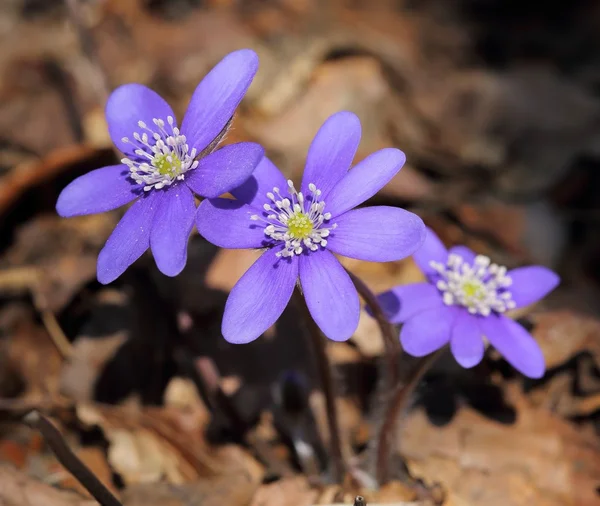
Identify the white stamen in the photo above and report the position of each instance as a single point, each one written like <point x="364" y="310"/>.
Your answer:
<point x="481" y="287"/>
<point x="169" y="151"/>
<point x="298" y="221"/>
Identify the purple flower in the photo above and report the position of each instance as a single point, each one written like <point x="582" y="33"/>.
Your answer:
<point x="301" y="229"/>
<point x="464" y="300"/>
<point x="164" y="166"/>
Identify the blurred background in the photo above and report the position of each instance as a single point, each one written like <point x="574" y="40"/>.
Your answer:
<point x="496" y="104"/>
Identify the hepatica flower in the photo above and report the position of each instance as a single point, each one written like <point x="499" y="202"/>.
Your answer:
<point x="164" y="165"/>
<point x="464" y="300"/>
<point x="301" y="228"/>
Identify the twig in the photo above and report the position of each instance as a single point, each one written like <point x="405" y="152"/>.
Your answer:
<point x="390" y="336"/>
<point x="324" y="370"/>
<point x="60" y="340"/>
<point x="69" y="460"/>
<point x="29" y="279"/>
<point x="397" y="406"/>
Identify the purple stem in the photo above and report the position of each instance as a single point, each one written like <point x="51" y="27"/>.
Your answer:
<point x="327" y="384"/>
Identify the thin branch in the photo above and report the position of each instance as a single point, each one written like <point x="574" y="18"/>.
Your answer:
<point x="69" y="460"/>
<point x="324" y="369"/>
<point x="58" y="337"/>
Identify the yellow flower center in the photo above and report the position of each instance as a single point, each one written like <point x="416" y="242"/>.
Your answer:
<point x="473" y="290"/>
<point x="168" y="164"/>
<point x="299" y="226"/>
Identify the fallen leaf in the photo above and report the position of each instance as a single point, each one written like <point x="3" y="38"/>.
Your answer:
<point x="541" y="459"/>
<point x="17" y="489"/>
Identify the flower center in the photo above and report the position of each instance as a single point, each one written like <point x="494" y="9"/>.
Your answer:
<point x="481" y="287"/>
<point x="168" y="164"/>
<point x="297" y="221"/>
<point x="163" y="155"/>
<point x="299" y="226"/>
<point x="473" y="289"/>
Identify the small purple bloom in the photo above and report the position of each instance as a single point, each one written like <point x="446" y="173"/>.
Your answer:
<point x="465" y="299"/>
<point x="164" y="166"/>
<point x="301" y="229"/>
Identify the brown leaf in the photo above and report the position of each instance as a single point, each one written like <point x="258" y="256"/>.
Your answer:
<point x="541" y="459"/>
<point x="88" y="359"/>
<point x="294" y="491"/>
<point x="17" y="489"/>
<point x="562" y="334"/>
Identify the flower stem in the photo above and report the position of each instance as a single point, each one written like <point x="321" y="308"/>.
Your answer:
<point x="389" y="333"/>
<point x="397" y="406"/>
<point x="324" y="369"/>
<point x="70" y="461"/>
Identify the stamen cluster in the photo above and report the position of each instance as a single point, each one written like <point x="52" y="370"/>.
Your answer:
<point x="481" y="287"/>
<point x="164" y="155"/>
<point x="297" y="221"/>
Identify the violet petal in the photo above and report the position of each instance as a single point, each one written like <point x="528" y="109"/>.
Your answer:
<point x="377" y="234"/>
<point x="467" y="254"/>
<point x="129" y="104"/>
<point x="428" y="330"/>
<point x="432" y="250"/>
<point x="259" y="297"/>
<point x="330" y="295"/>
<point x="405" y="301"/>
<point x="517" y="346"/>
<point x="227" y="224"/>
<point x="331" y="152"/>
<point x="171" y="229"/>
<point x="364" y="180"/>
<point x="225" y="169"/>
<point x="532" y="283"/>
<point x="466" y="342"/>
<point x="217" y="96"/>
<point x="97" y="191"/>
<point x="129" y="240"/>
<point x="254" y="190"/>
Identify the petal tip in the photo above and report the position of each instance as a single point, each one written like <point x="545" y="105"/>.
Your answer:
<point x="247" y="57"/>
<point x="468" y="362"/>
<point x="104" y="277"/>
<point x="347" y="116"/>
<point x="62" y="206"/>
<point x="235" y="336"/>
<point x="341" y="337"/>
<point x="396" y="156"/>
<point x="537" y="374"/>
<point x="124" y="92"/>
<point x="413" y="350"/>
<point x="170" y="270"/>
